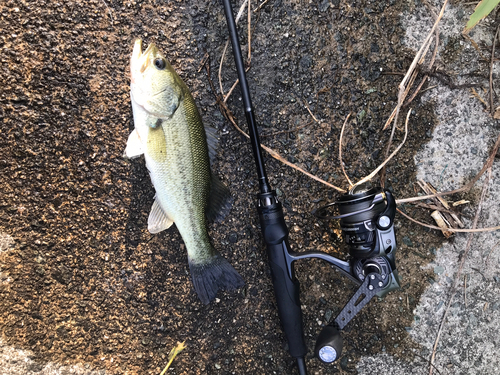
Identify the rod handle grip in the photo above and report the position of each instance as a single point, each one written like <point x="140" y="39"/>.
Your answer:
<point x="287" y="291"/>
<point x="286" y="285"/>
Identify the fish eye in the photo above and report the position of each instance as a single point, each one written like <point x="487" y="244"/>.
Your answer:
<point x="160" y="63"/>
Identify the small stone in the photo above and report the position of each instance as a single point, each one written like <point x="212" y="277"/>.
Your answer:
<point x="324" y="5"/>
<point x="438" y="270"/>
<point x="343" y="363"/>
<point x="305" y="62"/>
<point x="407" y="241"/>
<point x="328" y="315"/>
<point x="470" y="332"/>
<point x="233" y="237"/>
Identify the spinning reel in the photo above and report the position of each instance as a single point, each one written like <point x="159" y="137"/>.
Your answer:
<point x="367" y="221"/>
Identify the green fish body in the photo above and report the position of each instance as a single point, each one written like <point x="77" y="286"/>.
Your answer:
<point x="170" y="134"/>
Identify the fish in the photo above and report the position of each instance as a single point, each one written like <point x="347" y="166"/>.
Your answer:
<point x="178" y="150"/>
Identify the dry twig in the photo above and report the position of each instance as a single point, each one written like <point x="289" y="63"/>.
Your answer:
<point x="449" y="216"/>
<point x="278" y="157"/>
<point x="442" y="223"/>
<point x="371" y="175"/>
<point x="480" y="230"/>
<point x="340" y="151"/>
<point x="492" y="107"/>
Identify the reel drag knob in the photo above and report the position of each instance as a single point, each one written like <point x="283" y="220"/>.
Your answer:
<point x="329" y="345"/>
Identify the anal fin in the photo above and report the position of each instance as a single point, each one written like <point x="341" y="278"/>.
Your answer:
<point x="158" y="219"/>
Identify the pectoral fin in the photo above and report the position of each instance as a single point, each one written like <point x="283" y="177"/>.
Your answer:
<point x="134" y="146"/>
<point x="220" y="201"/>
<point x="158" y="219"/>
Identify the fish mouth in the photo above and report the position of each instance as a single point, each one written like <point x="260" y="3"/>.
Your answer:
<point x="140" y="61"/>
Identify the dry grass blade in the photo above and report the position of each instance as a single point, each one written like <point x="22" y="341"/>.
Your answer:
<point x="418" y="56"/>
<point x="309" y="110"/>
<point x="260" y="6"/>
<point x="371" y="175"/>
<point x="220" y="68"/>
<point x="480" y="230"/>
<point x="173" y="353"/>
<point x="408" y="80"/>
<point x="429" y="67"/>
<point x="278" y="157"/>
<point x="409" y="76"/>
<point x="109" y="11"/>
<point x="476" y="95"/>
<point x="492" y="108"/>
<point x="340" y="151"/>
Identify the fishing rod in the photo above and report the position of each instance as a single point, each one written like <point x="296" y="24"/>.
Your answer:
<point x="366" y="216"/>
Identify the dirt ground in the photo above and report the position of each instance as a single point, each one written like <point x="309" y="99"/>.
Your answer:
<point x="84" y="282"/>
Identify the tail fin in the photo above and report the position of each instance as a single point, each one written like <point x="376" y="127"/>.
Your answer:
<point x="209" y="278"/>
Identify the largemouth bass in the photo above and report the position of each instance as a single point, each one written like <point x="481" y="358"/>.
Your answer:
<point x="176" y="146"/>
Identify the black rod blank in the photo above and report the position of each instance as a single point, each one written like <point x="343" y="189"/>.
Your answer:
<point x="247" y="102"/>
<point x="274" y="229"/>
